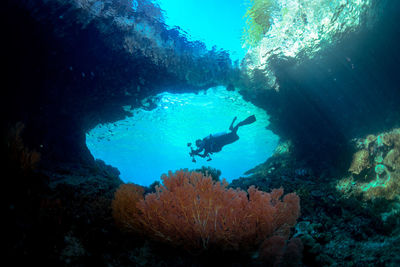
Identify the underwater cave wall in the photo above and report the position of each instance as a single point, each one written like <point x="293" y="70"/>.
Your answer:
<point x="347" y="90"/>
<point x="72" y="64"/>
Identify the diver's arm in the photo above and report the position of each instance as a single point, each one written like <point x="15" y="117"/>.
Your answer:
<point x="202" y="155"/>
<point x="205" y="153"/>
<point x="197" y="151"/>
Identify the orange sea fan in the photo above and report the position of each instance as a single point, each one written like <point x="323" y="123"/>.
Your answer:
<point x="124" y="209"/>
<point x="193" y="211"/>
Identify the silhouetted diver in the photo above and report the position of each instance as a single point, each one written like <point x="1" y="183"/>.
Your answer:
<point x="215" y="142"/>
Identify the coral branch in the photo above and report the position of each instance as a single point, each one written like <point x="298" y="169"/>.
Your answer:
<point x="192" y="211"/>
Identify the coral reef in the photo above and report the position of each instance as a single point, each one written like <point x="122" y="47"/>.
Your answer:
<point x="124" y="210"/>
<point x="293" y="28"/>
<point x="193" y="212"/>
<point x="375" y="169"/>
<point x="258" y="16"/>
<point x="307" y="106"/>
<point x="59" y="212"/>
<point x="210" y="171"/>
<point x="360" y="161"/>
<point x="336" y="229"/>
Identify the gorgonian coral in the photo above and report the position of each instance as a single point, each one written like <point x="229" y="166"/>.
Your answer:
<point x="194" y="212"/>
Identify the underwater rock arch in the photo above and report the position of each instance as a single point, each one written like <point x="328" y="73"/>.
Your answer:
<point x="153" y="140"/>
<point x="82" y="61"/>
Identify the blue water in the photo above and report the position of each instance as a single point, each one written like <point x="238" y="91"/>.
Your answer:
<point x="215" y="22"/>
<point x="151" y="143"/>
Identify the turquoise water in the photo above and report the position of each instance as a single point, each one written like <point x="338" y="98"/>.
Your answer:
<point x="215" y="22"/>
<point x="151" y="143"/>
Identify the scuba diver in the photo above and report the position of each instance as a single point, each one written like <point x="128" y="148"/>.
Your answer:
<point x="214" y="142"/>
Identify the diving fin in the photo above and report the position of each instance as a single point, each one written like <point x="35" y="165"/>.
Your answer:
<point x="247" y="121"/>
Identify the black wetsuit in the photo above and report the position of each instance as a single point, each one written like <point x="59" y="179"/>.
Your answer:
<point x="215" y="143"/>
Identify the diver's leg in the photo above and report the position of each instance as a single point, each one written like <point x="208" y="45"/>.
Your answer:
<point x="248" y="120"/>
<point x="231" y="127"/>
